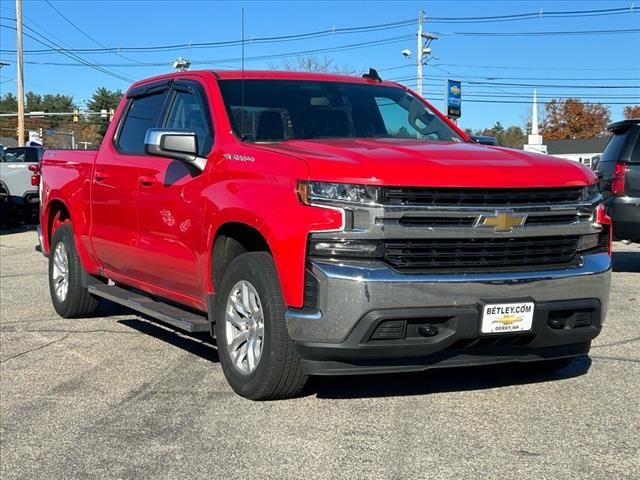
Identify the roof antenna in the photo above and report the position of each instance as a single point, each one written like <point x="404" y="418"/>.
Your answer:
<point x="372" y="75"/>
<point x="242" y="79"/>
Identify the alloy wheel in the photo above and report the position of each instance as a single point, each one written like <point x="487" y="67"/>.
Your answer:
<point x="244" y="324"/>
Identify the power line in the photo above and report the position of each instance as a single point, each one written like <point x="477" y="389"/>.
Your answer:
<point x="483" y="77"/>
<point x="599" y="69"/>
<point x="85" y="33"/>
<point x="521" y="102"/>
<point x="535" y="15"/>
<point x="232" y="43"/>
<point x="503" y="67"/>
<point x="492" y="78"/>
<point x="70" y="55"/>
<point x="630" y="98"/>
<point x="352" y="46"/>
<point x="623" y="31"/>
<point x="348" y="30"/>
<point x="539" y="85"/>
<point x="549" y="95"/>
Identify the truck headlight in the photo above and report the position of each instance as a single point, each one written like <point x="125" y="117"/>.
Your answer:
<point x="325" y="192"/>
<point x="589" y="192"/>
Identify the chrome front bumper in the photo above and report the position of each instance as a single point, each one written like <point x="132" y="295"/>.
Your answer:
<point x="348" y="292"/>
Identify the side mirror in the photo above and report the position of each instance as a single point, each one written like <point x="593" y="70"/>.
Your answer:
<point x="485" y="140"/>
<point x="178" y="144"/>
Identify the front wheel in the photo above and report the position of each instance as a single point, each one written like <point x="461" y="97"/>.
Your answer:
<point x="70" y="299"/>
<point x="257" y="356"/>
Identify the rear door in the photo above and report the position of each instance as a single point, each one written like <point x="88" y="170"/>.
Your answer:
<point x="170" y="202"/>
<point x="114" y="226"/>
<point x="613" y="153"/>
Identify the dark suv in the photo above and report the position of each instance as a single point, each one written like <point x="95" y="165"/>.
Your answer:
<point x="619" y="174"/>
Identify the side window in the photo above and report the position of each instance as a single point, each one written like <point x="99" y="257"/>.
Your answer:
<point x="14" y="155"/>
<point x="613" y="150"/>
<point x="187" y="113"/>
<point x="31" y="155"/>
<point x="635" y="154"/>
<point x="143" y="114"/>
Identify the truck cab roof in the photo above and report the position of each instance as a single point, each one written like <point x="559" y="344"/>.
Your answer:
<point x="269" y="75"/>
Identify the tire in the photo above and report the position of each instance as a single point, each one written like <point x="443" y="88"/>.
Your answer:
<point x="74" y="300"/>
<point x="276" y="372"/>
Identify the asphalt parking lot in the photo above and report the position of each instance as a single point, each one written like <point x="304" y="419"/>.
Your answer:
<point x="118" y="396"/>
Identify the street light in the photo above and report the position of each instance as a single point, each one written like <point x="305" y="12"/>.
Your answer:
<point x="182" y="64"/>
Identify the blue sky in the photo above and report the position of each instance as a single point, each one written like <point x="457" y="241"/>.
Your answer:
<point x="570" y="63"/>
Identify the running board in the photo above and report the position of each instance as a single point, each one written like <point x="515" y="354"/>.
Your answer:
<point x="179" y="318"/>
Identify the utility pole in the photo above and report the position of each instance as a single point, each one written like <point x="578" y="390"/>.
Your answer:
<point x="20" y="73"/>
<point x="419" y="52"/>
<point x="424" y="50"/>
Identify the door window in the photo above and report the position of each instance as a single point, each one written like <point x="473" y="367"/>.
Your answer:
<point x="143" y="114"/>
<point x="186" y="113"/>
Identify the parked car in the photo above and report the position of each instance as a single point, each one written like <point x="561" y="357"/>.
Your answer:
<point x="619" y="173"/>
<point x="325" y="225"/>
<point x="20" y="195"/>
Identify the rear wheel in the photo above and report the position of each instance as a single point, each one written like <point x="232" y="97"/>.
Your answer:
<point x="70" y="299"/>
<point x="256" y="353"/>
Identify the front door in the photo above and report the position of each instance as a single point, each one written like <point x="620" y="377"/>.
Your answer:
<point x="115" y="180"/>
<point x="170" y="203"/>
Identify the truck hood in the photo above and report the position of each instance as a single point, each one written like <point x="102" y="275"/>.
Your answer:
<point x="407" y="162"/>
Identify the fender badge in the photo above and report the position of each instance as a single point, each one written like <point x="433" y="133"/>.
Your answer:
<point x="238" y="158"/>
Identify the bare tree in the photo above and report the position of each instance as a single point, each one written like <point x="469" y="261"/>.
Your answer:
<point x="313" y="63"/>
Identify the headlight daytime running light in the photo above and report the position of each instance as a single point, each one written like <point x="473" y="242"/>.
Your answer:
<point x="338" y="193"/>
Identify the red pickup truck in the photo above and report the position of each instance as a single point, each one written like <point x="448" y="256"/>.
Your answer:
<point x="325" y="225"/>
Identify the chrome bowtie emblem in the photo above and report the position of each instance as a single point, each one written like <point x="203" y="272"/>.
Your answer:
<point x="502" y="222"/>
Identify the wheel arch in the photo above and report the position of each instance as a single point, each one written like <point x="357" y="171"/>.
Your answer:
<point x="4" y="188"/>
<point x="231" y="239"/>
<point x="57" y="212"/>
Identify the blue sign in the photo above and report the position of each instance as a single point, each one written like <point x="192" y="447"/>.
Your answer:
<point x="454" y="98"/>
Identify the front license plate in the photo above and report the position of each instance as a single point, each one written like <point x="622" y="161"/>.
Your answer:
<point x="507" y="317"/>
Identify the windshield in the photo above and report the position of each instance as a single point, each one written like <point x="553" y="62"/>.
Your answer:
<point x="281" y="110"/>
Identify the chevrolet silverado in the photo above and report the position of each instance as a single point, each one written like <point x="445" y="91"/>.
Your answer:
<point x="318" y="224"/>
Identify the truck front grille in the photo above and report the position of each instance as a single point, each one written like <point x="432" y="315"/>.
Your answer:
<point x="503" y="197"/>
<point x="449" y="220"/>
<point x="479" y="253"/>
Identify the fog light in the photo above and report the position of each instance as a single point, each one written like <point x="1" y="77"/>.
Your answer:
<point x="428" y="330"/>
<point x="557" y="323"/>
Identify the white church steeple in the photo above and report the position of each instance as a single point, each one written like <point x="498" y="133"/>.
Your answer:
<point x="535" y="139"/>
